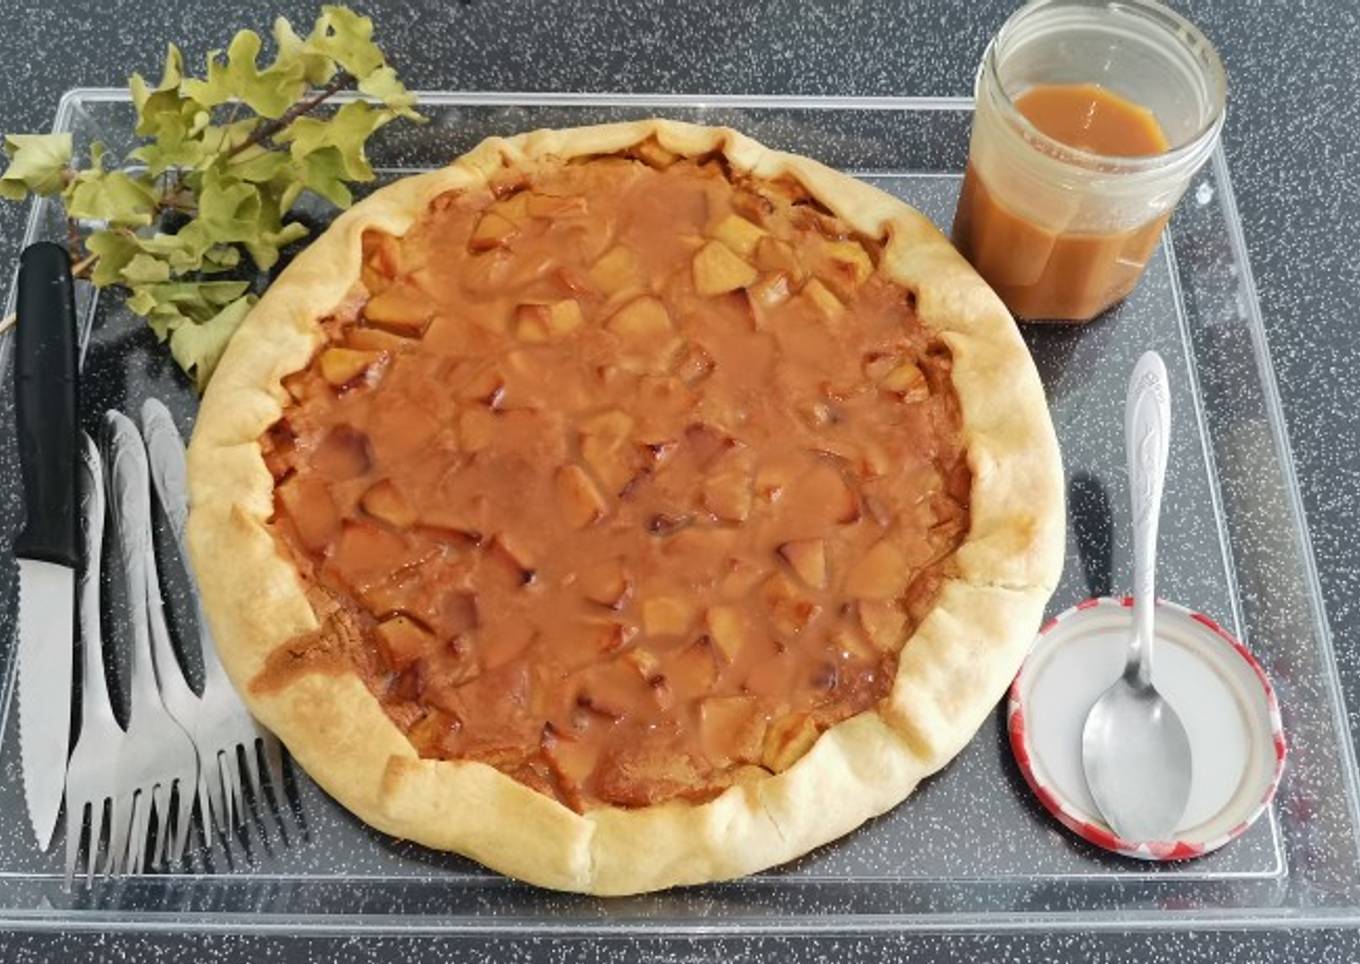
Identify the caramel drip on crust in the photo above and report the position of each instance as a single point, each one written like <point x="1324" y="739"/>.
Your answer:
<point x="628" y="478"/>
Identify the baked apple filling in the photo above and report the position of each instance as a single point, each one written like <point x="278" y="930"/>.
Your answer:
<point x="628" y="478"/>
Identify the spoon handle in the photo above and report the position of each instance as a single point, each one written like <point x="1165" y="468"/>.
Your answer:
<point x="1147" y="436"/>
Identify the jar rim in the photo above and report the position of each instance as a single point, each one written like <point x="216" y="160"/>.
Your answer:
<point x="1178" y="29"/>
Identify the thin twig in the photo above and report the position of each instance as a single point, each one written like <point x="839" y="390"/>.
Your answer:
<point x="7" y="322"/>
<point x="339" y="82"/>
<point x="265" y="131"/>
<point x="73" y="239"/>
<point x="82" y="267"/>
<point x="235" y="109"/>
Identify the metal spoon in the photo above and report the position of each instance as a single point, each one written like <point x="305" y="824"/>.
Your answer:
<point x="1134" y="747"/>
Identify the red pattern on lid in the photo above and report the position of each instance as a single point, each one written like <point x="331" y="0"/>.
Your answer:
<point x="1102" y="837"/>
<point x="1205" y="620"/>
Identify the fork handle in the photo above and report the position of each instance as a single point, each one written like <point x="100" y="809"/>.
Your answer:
<point x="94" y="691"/>
<point x="169" y="474"/>
<point x="130" y="499"/>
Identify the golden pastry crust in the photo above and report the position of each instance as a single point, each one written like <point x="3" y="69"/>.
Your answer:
<point x="951" y="672"/>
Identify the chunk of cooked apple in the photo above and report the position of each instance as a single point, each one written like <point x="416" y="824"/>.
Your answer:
<point x="651" y="153"/>
<point x="693" y="363"/>
<point x="666" y="616"/>
<point x="776" y="255"/>
<point x="571" y="761"/>
<point x="309" y="505"/>
<point x="883" y="622"/>
<point x="539" y="321"/>
<point x="848" y="266"/>
<point x="789" y="610"/>
<point x="807" y="557"/>
<point x="738" y="234"/>
<point x="881" y="573"/>
<point x="728" y="629"/>
<point x="340" y="366"/>
<point x="362" y="338"/>
<point x="769" y="293"/>
<point x="644" y="317"/>
<point x="727" y="492"/>
<point x="822" y="300"/>
<point x="581" y="500"/>
<point x="512" y="554"/>
<point x="384" y="501"/>
<point x="551" y="206"/>
<point x="692" y="670"/>
<point x="403" y="641"/>
<point x="343" y="454"/>
<point x="617" y="270"/>
<point x="606" y="584"/>
<point x="717" y="270"/>
<point x="732" y="729"/>
<point x="787" y="740"/>
<point x="906" y="381"/>
<point x="402" y="309"/>
<point x="607" y="447"/>
<point x="493" y="230"/>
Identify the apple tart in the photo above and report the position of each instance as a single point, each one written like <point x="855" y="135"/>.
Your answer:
<point x="625" y="506"/>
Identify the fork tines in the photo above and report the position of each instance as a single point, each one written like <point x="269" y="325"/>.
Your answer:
<point x="135" y="788"/>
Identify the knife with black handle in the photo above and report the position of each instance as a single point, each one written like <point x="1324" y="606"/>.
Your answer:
<point x="48" y="548"/>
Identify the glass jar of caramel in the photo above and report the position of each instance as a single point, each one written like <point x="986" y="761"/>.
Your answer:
<point x="1091" y="117"/>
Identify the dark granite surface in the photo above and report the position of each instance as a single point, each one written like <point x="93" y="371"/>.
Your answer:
<point x="1295" y="159"/>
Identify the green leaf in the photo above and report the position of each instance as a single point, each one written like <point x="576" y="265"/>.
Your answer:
<point x="264" y="250"/>
<point x="323" y="171"/>
<point x="317" y="69"/>
<point x="346" y="37"/>
<point x="384" y="85"/>
<point x="169" y="152"/>
<point x="218" y="139"/>
<point x="112" y="196"/>
<point x="199" y="347"/>
<point x="268" y="92"/>
<point x="184" y="250"/>
<point x="115" y="249"/>
<point x="37" y="163"/>
<point x="156" y="104"/>
<point x="228" y="208"/>
<point x="258" y="164"/>
<point x="221" y="257"/>
<point x="144" y="269"/>
<point x="198" y="300"/>
<point x="346" y="131"/>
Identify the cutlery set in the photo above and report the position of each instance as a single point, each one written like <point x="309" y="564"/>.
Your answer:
<point x="135" y="786"/>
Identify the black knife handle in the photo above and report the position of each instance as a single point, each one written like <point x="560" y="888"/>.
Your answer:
<point x="45" y="404"/>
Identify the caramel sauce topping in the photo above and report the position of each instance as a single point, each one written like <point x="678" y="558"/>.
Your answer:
<point x="628" y="478"/>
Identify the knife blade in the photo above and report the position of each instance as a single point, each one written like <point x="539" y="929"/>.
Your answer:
<point x="47" y="549"/>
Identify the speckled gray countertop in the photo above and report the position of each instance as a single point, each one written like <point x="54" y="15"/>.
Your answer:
<point x="1294" y="157"/>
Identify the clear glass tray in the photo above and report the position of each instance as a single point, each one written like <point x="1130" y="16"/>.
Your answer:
<point x="971" y="849"/>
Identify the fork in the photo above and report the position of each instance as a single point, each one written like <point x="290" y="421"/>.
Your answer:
<point x="158" y="758"/>
<point x="91" y="773"/>
<point x="222" y="725"/>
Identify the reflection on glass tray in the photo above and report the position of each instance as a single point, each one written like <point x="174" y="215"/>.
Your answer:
<point x="971" y="849"/>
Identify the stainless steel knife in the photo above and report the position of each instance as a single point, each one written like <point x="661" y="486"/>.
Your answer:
<point x="48" y="548"/>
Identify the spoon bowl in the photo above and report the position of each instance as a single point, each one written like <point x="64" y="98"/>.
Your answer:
<point x="1137" y="758"/>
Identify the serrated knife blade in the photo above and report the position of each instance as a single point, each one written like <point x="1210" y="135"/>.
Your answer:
<point x="47" y="548"/>
<point x="46" y="639"/>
